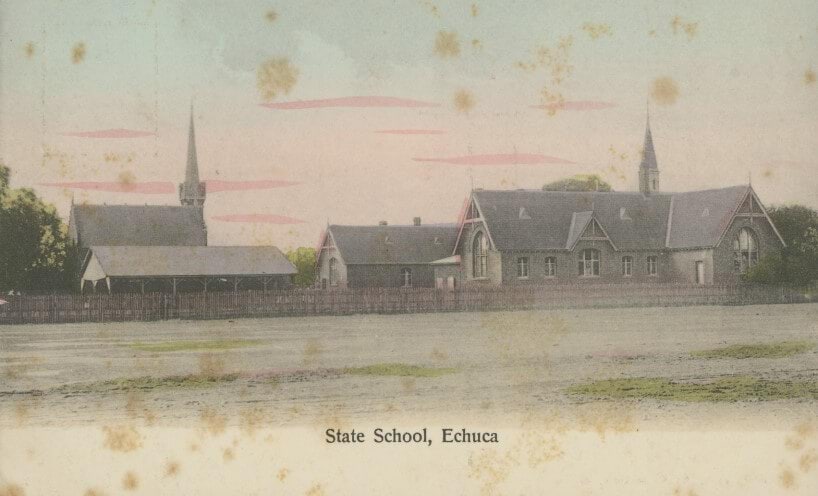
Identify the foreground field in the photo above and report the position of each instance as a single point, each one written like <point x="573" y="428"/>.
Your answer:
<point x="293" y="371"/>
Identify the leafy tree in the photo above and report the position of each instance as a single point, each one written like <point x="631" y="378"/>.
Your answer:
<point x="33" y="240"/>
<point x="579" y="182"/>
<point x="798" y="262"/>
<point x="304" y="260"/>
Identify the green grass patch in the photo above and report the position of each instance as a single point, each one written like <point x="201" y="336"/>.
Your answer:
<point x="147" y="383"/>
<point x="398" y="369"/>
<point x="217" y="344"/>
<point x="771" y="350"/>
<point x="728" y="389"/>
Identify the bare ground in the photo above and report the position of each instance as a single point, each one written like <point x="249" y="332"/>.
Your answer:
<point x="292" y="370"/>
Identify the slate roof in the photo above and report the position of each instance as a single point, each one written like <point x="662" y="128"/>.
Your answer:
<point x="633" y="221"/>
<point x="138" y="225"/>
<point x="147" y="261"/>
<point x="365" y="245"/>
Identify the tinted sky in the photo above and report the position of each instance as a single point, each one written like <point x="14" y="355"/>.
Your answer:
<point x="731" y="87"/>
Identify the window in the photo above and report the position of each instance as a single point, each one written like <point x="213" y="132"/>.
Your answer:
<point x="406" y="276"/>
<point x="745" y="250"/>
<point x="627" y="266"/>
<point x="333" y="272"/>
<point x="480" y="248"/>
<point x="550" y="267"/>
<point x="522" y="267"/>
<point x="653" y="265"/>
<point x="589" y="263"/>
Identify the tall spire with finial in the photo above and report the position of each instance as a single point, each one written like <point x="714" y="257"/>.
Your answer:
<point x="192" y="191"/>
<point x="648" y="167"/>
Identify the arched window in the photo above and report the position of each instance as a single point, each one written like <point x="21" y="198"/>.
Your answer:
<point x="589" y="263"/>
<point x="406" y="277"/>
<point x="550" y="267"/>
<point x="745" y="250"/>
<point x="627" y="266"/>
<point x="480" y="248"/>
<point x="333" y="272"/>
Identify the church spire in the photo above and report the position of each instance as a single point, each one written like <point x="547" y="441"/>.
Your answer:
<point x="192" y="191"/>
<point x="648" y="168"/>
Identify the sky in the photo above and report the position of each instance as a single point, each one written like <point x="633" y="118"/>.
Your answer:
<point x="353" y="112"/>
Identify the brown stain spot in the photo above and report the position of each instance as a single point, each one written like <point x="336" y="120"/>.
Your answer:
<point x="681" y="492"/>
<point x="123" y="438"/>
<point x="447" y="44"/>
<point x="211" y="365"/>
<point x="11" y="490"/>
<point x="212" y="422"/>
<point x="172" y="469"/>
<point x="596" y="31"/>
<point x="476" y="44"/>
<point x="250" y="420"/>
<point x="313" y="349"/>
<point x="92" y="491"/>
<point x="809" y="77"/>
<point x="130" y="481"/>
<point x="808" y="460"/>
<point x="787" y="478"/>
<point x="282" y="474"/>
<point x="439" y="355"/>
<point x="409" y="384"/>
<point x="652" y="33"/>
<point x="29" y="49"/>
<point x="677" y="24"/>
<point x="228" y="454"/>
<point x="464" y="101"/>
<point x="315" y="490"/>
<point x="664" y="91"/>
<point x="127" y="179"/>
<point x="431" y="7"/>
<point x="194" y="447"/>
<point x="22" y="412"/>
<point x="271" y="16"/>
<point x="767" y="173"/>
<point x="275" y="77"/>
<point x="78" y="53"/>
<point x="475" y="11"/>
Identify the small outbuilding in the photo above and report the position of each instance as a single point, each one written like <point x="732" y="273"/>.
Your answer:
<point x="170" y="269"/>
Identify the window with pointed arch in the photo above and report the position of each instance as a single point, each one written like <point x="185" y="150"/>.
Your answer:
<point x="333" y="272"/>
<point x="406" y="277"/>
<point x="745" y="250"/>
<point x="480" y="248"/>
<point x="588" y="263"/>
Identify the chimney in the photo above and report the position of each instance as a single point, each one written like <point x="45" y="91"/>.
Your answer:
<point x="382" y="223"/>
<point x="417" y="221"/>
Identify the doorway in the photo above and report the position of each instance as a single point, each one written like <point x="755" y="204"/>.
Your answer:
<point x="699" y="272"/>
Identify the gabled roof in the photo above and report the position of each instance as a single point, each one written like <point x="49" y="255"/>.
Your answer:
<point x="700" y="217"/>
<point x="631" y="220"/>
<point x="158" y="261"/>
<point x="138" y="225"/>
<point x="394" y="244"/>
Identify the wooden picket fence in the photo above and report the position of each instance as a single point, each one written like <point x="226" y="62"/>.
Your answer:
<point x="44" y="309"/>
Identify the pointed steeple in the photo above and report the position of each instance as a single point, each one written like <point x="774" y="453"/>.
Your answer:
<point x="648" y="153"/>
<point x="192" y="191"/>
<point x="648" y="167"/>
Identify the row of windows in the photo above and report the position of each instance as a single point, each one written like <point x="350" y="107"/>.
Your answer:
<point x="588" y="265"/>
<point x="405" y="274"/>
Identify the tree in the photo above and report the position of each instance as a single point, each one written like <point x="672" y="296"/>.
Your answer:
<point x="33" y="240"/>
<point x="304" y="260"/>
<point x="798" y="261"/>
<point x="579" y="182"/>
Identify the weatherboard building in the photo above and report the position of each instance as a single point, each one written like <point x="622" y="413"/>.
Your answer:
<point x="163" y="248"/>
<point x="514" y="237"/>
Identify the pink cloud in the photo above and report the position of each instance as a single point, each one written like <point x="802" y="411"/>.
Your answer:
<point x="576" y="105"/>
<point x="215" y="185"/>
<point x="410" y="131"/>
<point x="259" y="218"/>
<point x="351" y="102"/>
<point x="110" y="133"/>
<point x="146" y="188"/>
<point x="498" y="159"/>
